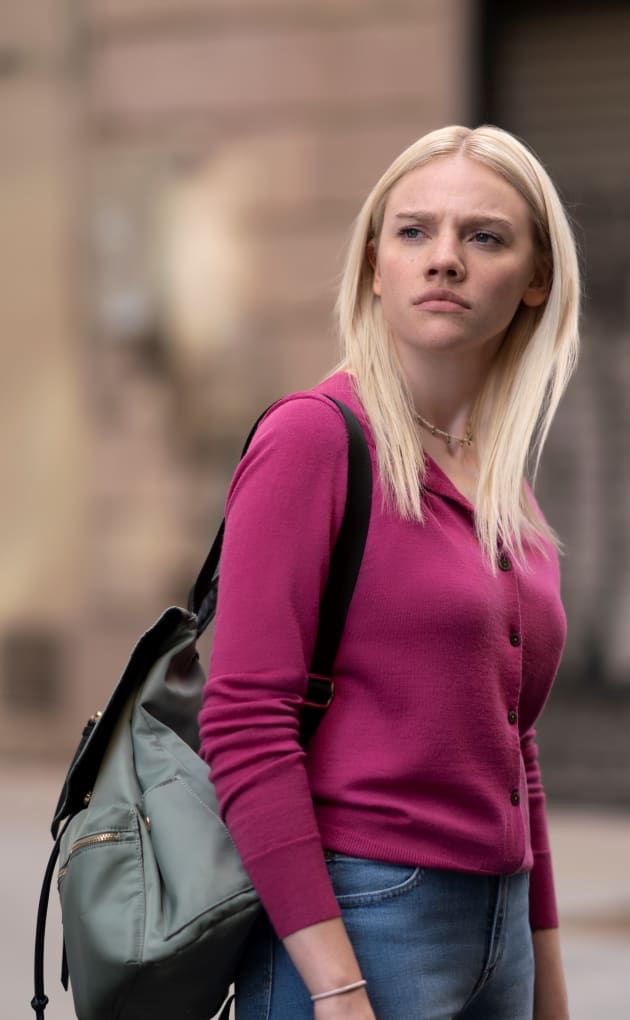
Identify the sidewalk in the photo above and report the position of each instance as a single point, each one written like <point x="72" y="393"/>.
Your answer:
<point x="591" y="853"/>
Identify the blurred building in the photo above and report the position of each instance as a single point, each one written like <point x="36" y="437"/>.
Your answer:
<point x="177" y="185"/>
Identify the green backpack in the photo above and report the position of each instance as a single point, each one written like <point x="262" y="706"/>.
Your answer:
<point x="156" y="906"/>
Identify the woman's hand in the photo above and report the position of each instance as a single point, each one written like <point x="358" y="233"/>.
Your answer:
<point x="550" y="991"/>
<point x="324" y="958"/>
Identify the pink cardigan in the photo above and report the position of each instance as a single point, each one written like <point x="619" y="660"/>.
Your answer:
<point x="428" y="753"/>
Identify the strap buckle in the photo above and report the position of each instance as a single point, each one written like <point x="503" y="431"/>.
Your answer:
<point x="320" y="691"/>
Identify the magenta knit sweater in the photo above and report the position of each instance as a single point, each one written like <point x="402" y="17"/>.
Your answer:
<point x="427" y="755"/>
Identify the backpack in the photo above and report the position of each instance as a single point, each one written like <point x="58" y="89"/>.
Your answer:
<point x="156" y="906"/>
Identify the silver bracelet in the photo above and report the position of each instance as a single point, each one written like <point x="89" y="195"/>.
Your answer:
<point x="339" y="991"/>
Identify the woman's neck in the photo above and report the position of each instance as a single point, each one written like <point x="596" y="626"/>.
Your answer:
<point x="444" y="387"/>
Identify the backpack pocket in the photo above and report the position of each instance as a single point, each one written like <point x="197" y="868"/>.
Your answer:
<point x="197" y="863"/>
<point x="87" y="842"/>
<point x="101" y="887"/>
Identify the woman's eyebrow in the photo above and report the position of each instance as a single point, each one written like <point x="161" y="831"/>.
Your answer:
<point x="489" y="220"/>
<point x="416" y="214"/>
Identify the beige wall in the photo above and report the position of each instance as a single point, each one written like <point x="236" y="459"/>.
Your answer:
<point x="43" y="418"/>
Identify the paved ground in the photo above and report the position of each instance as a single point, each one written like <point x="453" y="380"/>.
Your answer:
<point x="592" y="854"/>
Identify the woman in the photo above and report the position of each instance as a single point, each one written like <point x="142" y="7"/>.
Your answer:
<point x="404" y="861"/>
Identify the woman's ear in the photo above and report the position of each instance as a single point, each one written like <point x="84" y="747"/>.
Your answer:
<point x="372" y="257"/>
<point x="537" y="290"/>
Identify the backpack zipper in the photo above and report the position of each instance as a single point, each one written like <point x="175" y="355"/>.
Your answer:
<point x="85" y="841"/>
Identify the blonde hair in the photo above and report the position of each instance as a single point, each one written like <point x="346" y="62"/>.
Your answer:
<point x="529" y="374"/>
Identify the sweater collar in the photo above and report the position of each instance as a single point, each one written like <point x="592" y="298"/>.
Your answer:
<point x="438" y="482"/>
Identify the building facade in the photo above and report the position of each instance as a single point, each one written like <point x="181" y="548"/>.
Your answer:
<point x="178" y="183"/>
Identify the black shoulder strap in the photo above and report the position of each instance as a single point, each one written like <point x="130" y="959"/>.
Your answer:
<point x="345" y="563"/>
<point x="203" y="594"/>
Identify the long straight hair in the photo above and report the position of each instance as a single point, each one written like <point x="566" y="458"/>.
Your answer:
<point x="516" y="405"/>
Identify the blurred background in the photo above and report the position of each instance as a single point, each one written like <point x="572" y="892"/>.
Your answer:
<point x="177" y="183"/>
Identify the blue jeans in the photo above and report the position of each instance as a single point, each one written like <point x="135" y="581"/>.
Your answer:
<point x="433" y="945"/>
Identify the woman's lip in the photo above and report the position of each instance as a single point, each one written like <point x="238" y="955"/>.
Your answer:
<point x="440" y="305"/>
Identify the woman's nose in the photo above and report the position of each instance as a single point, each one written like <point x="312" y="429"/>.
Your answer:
<point x="445" y="259"/>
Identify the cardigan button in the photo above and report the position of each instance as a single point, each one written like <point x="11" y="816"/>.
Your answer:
<point x="512" y="717"/>
<point x="515" y="797"/>
<point x="515" y="639"/>
<point x="504" y="562"/>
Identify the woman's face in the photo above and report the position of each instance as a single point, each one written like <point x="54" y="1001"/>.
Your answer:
<point x="455" y="258"/>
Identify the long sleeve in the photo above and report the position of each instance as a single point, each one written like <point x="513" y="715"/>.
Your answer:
<point x="283" y="512"/>
<point x="543" y="911"/>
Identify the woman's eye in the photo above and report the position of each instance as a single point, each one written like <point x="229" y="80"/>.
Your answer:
<point x="485" y="238"/>
<point x="410" y="233"/>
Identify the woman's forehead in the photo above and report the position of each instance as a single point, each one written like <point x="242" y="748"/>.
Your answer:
<point x="456" y="184"/>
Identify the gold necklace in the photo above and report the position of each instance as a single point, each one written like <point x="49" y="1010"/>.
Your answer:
<point x="468" y="439"/>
